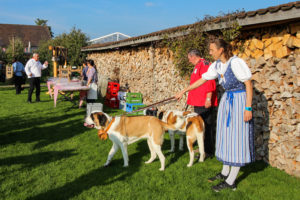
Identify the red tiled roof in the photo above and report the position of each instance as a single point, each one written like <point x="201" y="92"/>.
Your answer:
<point x="27" y="33"/>
<point x="242" y="15"/>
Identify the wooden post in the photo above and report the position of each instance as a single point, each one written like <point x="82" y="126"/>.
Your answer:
<point x="54" y="52"/>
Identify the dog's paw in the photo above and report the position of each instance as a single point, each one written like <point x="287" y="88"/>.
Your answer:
<point x="161" y="169"/>
<point x="189" y="165"/>
<point x="125" y="165"/>
<point x="201" y="159"/>
<point x="106" y="165"/>
<point x="171" y="151"/>
<point x="148" y="162"/>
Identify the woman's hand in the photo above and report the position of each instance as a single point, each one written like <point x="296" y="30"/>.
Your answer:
<point x="207" y="104"/>
<point x="247" y="115"/>
<point x="179" y="95"/>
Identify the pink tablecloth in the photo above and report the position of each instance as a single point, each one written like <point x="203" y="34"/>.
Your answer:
<point x="62" y="85"/>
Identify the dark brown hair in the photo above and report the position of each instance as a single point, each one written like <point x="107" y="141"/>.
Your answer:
<point x="220" y="43"/>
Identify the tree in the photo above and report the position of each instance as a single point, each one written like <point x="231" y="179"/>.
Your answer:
<point x="43" y="22"/>
<point x="15" y="49"/>
<point x="73" y="41"/>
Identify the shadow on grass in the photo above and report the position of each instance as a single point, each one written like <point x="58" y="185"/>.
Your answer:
<point x="174" y="155"/>
<point x="251" y="168"/>
<point x="33" y="160"/>
<point x="99" y="177"/>
<point x="41" y="133"/>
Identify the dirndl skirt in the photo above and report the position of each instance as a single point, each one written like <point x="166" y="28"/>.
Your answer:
<point x="235" y="137"/>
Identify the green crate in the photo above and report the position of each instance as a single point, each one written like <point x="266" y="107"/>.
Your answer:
<point x="135" y="107"/>
<point x="134" y="98"/>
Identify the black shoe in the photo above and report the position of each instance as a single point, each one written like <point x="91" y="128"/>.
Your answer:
<point x="29" y="101"/>
<point x="222" y="186"/>
<point x="219" y="176"/>
<point x="37" y="100"/>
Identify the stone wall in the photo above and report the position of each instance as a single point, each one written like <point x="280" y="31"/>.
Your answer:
<point x="276" y="80"/>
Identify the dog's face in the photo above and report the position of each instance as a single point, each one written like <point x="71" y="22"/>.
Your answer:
<point x="97" y="120"/>
<point x="172" y="118"/>
<point x="175" y="118"/>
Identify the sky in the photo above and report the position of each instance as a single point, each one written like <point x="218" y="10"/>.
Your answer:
<point x="97" y="18"/>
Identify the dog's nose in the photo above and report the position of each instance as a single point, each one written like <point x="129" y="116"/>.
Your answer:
<point x="89" y="125"/>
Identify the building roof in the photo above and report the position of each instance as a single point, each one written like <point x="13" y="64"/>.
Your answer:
<point x="117" y="36"/>
<point x="276" y="14"/>
<point x="27" y="33"/>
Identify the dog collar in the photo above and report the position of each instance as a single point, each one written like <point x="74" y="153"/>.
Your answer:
<point x="102" y="134"/>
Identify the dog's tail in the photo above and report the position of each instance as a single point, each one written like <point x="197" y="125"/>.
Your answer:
<point x="168" y="126"/>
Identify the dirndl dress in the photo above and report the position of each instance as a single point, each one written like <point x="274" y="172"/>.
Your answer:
<point x="235" y="137"/>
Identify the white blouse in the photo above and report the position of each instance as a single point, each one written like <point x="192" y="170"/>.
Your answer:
<point x="239" y="68"/>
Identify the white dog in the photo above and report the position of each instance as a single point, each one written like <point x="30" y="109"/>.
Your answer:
<point x="189" y="124"/>
<point x="123" y="131"/>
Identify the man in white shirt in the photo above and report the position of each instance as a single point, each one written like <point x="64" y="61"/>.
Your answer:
<point x="33" y="70"/>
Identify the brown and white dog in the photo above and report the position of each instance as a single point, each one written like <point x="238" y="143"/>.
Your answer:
<point x="189" y="124"/>
<point x="123" y="131"/>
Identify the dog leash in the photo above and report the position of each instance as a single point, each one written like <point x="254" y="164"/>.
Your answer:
<point x="163" y="102"/>
<point x="186" y="107"/>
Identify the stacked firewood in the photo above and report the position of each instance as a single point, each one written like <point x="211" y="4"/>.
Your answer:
<point x="276" y="45"/>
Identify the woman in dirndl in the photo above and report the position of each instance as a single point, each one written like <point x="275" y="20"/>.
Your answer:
<point x="91" y="74"/>
<point x="235" y="137"/>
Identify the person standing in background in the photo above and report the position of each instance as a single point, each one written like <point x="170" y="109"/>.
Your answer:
<point x="91" y="74"/>
<point x="203" y="98"/>
<point x="33" y="69"/>
<point x="18" y="69"/>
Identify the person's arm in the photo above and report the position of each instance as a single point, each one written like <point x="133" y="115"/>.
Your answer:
<point x="243" y="74"/>
<point x="45" y="65"/>
<point x="209" y="75"/>
<point x="89" y="81"/>
<point x="14" y="67"/>
<point x="90" y="74"/>
<point x="27" y="68"/>
<point x="81" y="74"/>
<point x="210" y="87"/>
<point x="249" y="95"/>
<point x="208" y="100"/>
<point x="196" y="84"/>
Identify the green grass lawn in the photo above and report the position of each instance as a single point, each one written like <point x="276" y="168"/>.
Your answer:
<point x="47" y="153"/>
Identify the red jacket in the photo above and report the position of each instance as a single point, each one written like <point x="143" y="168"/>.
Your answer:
<point x="197" y="97"/>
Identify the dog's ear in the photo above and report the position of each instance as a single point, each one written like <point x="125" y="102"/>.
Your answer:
<point x="95" y="114"/>
<point x="102" y="119"/>
<point x="160" y="115"/>
<point x="171" y="119"/>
